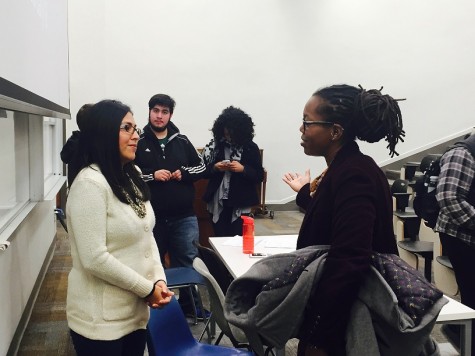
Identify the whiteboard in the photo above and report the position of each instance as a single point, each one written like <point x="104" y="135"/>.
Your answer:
<point x="34" y="55"/>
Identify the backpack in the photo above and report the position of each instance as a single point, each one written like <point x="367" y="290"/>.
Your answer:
<point x="425" y="203"/>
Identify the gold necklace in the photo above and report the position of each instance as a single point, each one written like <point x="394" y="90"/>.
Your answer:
<point x="137" y="205"/>
<point x="316" y="182"/>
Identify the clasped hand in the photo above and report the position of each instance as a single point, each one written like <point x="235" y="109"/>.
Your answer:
<point x="161" y="296"/>
<point x="233" y="166"/>
<point x="296" y="180"/>
<point x="165" y="175"/>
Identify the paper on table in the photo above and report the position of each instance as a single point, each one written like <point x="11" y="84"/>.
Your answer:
<point x="233" y="241"/>
<point x="287" y="241"/>
<point x="281" y="242"/>
<point x="237" y="241"/>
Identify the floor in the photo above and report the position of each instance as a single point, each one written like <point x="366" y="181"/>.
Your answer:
<point x="47" y="332"/>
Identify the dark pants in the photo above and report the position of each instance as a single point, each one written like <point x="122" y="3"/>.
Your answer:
<point x="339" y="350"/>
<point x="462" y="257"/>
<point x="224" y="226"/>
<point x="178" y="238"/>
<point x="132" y="344"/>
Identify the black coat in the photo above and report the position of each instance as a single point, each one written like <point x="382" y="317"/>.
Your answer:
<point x="242" y="186"/>
<point x="352" y="212"/>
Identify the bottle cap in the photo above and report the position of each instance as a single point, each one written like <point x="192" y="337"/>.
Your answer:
<point x="247" y="219"/>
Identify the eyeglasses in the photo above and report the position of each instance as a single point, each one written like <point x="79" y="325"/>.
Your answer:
<point x="308" y="123"/>
<point x="130" y="129"/>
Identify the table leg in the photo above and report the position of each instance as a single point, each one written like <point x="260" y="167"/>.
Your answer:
<point x="428" y="269"/>
<point x="212" y="327"/>
<point x="466" y="338"/>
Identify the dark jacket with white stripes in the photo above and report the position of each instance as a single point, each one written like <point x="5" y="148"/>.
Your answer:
<point x="171" y="199"/>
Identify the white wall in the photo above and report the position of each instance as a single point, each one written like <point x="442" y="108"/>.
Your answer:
<point x="269" y="56"/>
<point x="7" y="160"/>
<point x="34" y="49"/>
<point x="21" y="264"/>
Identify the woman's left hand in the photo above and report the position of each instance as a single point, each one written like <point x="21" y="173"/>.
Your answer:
<point x="235" y="166"/>
<point x="296" y="180"/>
<point x="176" y="175"/>
<point x="166" y="295"/>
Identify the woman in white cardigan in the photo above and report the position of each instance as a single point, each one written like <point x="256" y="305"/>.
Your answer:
<point x="116" y="273"/>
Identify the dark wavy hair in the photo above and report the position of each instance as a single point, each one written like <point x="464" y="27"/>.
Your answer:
<point x="238" y="123"/>
<point x="364" y="114"/>
<point x="99" y="144"/>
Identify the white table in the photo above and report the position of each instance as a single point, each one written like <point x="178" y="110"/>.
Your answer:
<point x="230" y="251"/>
<point x="455" y="312"/>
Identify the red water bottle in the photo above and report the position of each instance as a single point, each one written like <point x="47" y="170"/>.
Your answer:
<point x="247" y="234"/>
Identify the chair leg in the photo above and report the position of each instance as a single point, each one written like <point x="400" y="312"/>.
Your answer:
<point x="218" y="340"/>
<point x="203" y="334"/>
<point x="269" y="351"/>
<point x="195" y="313"/>
<point x="428" y="269"/>
<point x="210" y="324"/>
<point x="60" y="215"/>
<point x="210" y="329"/>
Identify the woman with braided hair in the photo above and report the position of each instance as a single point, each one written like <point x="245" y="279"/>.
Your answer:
<point x="348" y="207"/>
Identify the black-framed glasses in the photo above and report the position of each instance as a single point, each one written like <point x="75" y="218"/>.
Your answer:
<point x="306" y="123"/>
<point x="130" y="129"/>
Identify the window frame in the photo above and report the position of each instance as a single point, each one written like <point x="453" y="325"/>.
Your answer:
<point x="38" y="169"/>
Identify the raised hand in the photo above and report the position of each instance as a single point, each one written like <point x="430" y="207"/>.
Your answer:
<point x="296" y="180"/>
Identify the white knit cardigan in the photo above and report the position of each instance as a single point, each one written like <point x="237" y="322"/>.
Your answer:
<point x="115" y="260"/>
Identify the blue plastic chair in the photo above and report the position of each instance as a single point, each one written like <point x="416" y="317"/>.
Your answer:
<point x="186" y="277"/>
<point x="60" y="216"/>
<point x="168" y="333"/>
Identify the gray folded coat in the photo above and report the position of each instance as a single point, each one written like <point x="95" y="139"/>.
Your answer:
<point x="268" y="304"/>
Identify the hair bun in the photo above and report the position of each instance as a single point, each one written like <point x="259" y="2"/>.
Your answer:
<point x="379" y="116"/>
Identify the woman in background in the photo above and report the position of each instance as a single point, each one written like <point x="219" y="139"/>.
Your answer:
<point x="116" y="266"/>
<point x="234" y="168"/>
<point x="348" y="207"/>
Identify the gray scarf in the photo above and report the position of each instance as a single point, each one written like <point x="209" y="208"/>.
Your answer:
<point x="233" y="153"/>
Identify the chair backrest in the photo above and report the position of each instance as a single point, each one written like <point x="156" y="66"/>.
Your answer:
<point x="168" y="330"/>
<point x="400" y="186"/>
<point x="216" y="299"/>
<point x="409" y="169"/>
<point x="216" y="267"/>
<point x="178" y="277"/>
<point x="401" y="194"/>
<point x="407" y="256"/>
<point x="427" y="160"/>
